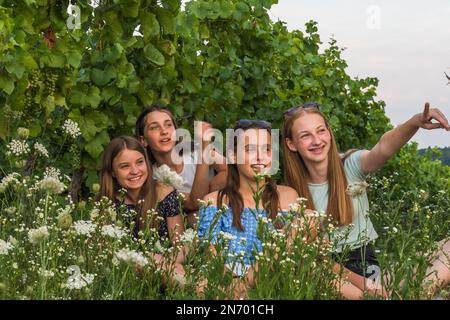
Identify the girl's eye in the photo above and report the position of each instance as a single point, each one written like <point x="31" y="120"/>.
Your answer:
<point x="169" y="125"/>
<point x="304" y="136"/>
<point x="153" y="128"/>
<point x="123" y="166"/>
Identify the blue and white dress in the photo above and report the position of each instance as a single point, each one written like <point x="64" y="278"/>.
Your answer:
<point x="243" y="244"/>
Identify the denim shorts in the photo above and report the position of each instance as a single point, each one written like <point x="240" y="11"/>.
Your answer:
<point x="361" y="261"/>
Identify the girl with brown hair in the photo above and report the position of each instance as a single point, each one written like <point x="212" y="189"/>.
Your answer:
<point x="155" y="129"/>
<point x="125" y="166"/>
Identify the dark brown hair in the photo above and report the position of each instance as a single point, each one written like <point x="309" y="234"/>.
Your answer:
<point x="270" y="197"/>
<point x="141" y="122"/>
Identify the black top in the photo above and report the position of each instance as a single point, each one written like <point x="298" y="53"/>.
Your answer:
<point x="168" y="207"/>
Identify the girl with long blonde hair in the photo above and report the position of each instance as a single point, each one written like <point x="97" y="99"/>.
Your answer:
<point x="336" y="184"/>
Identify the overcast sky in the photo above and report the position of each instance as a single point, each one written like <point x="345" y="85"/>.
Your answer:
<point x="405" y="44"/>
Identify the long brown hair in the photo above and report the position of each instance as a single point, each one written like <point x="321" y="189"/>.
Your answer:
<point x="339" y="207"/>
<point x="270" y="197"/>
<point x="141" y="122"/>
<point x="109" y="187"/>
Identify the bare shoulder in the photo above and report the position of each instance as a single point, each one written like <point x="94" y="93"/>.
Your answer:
<point x="163" y="190"/>
<point x="211" y="198"/>
<point x="288" y="195"/>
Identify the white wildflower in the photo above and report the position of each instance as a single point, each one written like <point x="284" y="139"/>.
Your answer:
<point x="37" y="235"/>
<point x="112" y="231"/>
<point x="10" y="179"/>
<point x="71" y="128"/>
<point x="5" y="247"/>
<point x="40" y="149"/>
<point x="78" y="280"/>
<point x="356" y="189"/>
<point x="166" y="176"/>
<point x="13" y="241"/>
<point x="18" y="147"/>
<point x="227" y="236"/>
<point x="83" y="227"/>
<point x="187" y="236"/>
<point x="11" y="210"/>
<point x="52" y="172"/>
<point x="51" y="185"/>
<point x="94" y="213"/>
<point x="132" y="257"/>
<point x="46" y="273"/>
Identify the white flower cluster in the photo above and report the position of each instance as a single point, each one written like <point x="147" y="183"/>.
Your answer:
<point x="40" y="149"/>
<point x="52" y="172"/>
<point x="84" y="227"/>
<point x="227" y="236"/>
<point x="37" y="235"/>
<point x="132" y="257"/>
<point x="356" y="189"/>
<point x="112" y="231"/>
<point x="188" y="236"/>
<point x="71" y="128"/>
<point x="18" y="147"/>
<point x="51" y="185"/>
<point x="8" y="180"/>
<point x="165" y="175"/>
<point x="5" y="247"/>
<point x="78" y="280"/>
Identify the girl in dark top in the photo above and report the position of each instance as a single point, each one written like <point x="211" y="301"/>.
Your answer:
<point x="125" y="166"/>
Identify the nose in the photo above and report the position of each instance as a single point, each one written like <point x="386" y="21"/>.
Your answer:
<point x="315" y="139"/>
<point x="134" y="169"/>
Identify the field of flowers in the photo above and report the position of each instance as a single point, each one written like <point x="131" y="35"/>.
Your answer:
<point x="53" y="248"/>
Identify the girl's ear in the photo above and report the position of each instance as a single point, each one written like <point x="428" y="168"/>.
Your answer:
<point x="291" y="145"/>
<point x="143" y="141"/>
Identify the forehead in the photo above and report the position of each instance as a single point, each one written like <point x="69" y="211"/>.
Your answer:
<point x="307" y="122"/>
<point x="157" y="116"/>
<point x="256" y="136"/>
<point x="127" y="155"/>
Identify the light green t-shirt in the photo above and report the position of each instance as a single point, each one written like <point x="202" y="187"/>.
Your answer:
<point x="362" y="230"/>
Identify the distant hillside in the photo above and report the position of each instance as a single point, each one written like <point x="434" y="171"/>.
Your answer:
<point x="445" y="158"/>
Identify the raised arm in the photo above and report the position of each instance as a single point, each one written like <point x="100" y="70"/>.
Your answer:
<point x="391" y="142"/>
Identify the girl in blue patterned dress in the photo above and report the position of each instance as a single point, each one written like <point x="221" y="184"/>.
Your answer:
<point x="238" y="222"/>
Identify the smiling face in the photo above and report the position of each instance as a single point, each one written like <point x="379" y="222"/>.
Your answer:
<point x="311" y="138"/>
<point x="158" y="132"/>
<point x="256" y="156"/>
<point x="130" y="170"/>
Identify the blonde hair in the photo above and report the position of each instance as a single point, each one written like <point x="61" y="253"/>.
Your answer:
<point x="109" y="186"/>
<point x="339" y="207"/>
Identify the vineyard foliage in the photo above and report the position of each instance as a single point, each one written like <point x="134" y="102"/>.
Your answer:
<point x="218" y="61"/>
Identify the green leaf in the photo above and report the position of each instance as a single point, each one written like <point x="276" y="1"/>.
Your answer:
<point x="6" y="84"/>
<point x="166" y="20"/>
<point x="35" y="129"/>
<point x="153" y="54"/>
<point x="96" y="146"/>
<point x="103" y="77"/>
<point x="54" y="60"/>
<point x="130" y="8"/>
<point x="113" y="53"/>
<point x="149" y="25"/>
<point x="74" y="59"/>
<point x="167" y="47"/>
